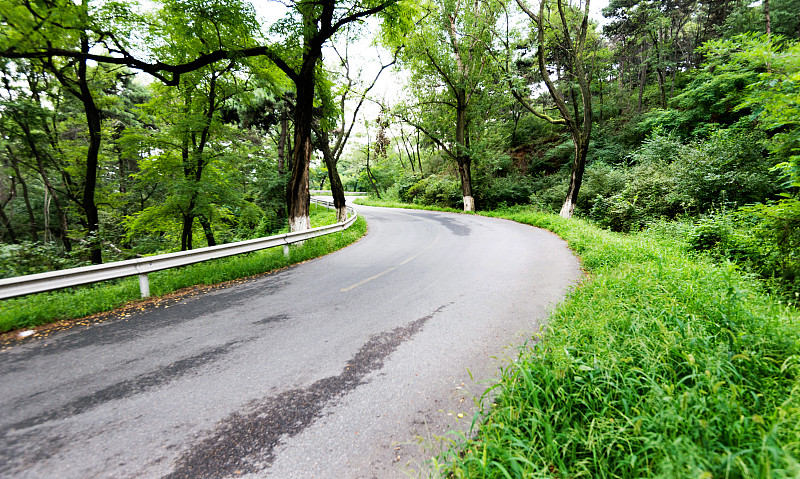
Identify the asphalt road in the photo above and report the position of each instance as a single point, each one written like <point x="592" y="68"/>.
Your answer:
<point x="354" y="365"/>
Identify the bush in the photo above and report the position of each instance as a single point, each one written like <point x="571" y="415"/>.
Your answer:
<point x="31" y="258"/>
<point x="549" y="192"/>
<point x="649" y="193"/>
<point x="600" y="180"/>
<point x="506" y="191"/>
<point x="669" y="178"/>
<point x="615" y="213"/>
<point x="434" y="190"/>
<point x="763" y="239"/>
<point x="404" y="186"/>
<point x="730" y="168"/>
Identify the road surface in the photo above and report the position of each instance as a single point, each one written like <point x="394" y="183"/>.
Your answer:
<point x="354" y="365"/>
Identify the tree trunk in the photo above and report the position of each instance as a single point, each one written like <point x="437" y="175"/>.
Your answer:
<point x="642" y="81"/>
<point x="337" y="190"/>
<point x="6" y="199"/>
<point x="576" y="177"/>
<point x="370" y="176"/>
<point x="282" y="142"/>
<point x="39" y="157"/>
<point x="209" y="232"/>
<point x="465" y="173"/>
<point x="186" y="231"/>
<point x="7" y="224"/>
<point x="92" y="158"/>
<point x="462" y="154"/>
<point x="767" y="19"/>
<point x="297" y="197"/>
<point x="25" y="197"/>
<point x="62" y="215"/>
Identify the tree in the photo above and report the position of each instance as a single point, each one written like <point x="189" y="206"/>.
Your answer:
<point x="577" y="117"/>
<point x="318" y="22"/>
<point x="449" y="55"/>
<point x="309" y="24"/>
<point x="36" y="30"/>
<point x="337" y="125"/>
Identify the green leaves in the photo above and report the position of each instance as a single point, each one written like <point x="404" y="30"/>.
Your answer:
<point x="774" y="94"/>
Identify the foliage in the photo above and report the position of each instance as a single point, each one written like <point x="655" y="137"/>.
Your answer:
<point x="503" y="191"/>
<point x="435" y="190"/>
<point x="30" y="258"/>
<point x="669" y="178"/>
<point x="764" y="239"/>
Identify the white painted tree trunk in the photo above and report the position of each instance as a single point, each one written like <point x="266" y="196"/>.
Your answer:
<point x="469" y="203"/>
<point x="567" y="209"/>
<point x="341" y="214"/>
<point x="299" y="223"/>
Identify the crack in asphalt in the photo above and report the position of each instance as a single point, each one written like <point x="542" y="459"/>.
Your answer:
<point x="245" y="442"/>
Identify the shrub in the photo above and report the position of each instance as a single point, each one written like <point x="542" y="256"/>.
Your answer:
<point x="506" y="191"/>
<point x="763" y="239"/>
<point x="615" y="213"/>
<point x="404" y="186"/>
<point x="31" y="258"/>
<point x="433" y="190"/>
<point x="731" y="167"/>
<point x="443" y="191"/>
<point x="549" y="192"/>
<point x="600" y="179"/>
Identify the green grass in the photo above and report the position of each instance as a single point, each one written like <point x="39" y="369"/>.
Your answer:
<point x="370" y="201"/>
<point x="43" y="308"/>
<point x="658" y="365"/>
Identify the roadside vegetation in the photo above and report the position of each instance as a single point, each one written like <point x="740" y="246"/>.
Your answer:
<point x="43" y="308"/>
<point x="660" y="364"/>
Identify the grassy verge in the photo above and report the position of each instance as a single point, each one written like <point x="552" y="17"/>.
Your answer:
<point x="44" y="308"/>
<point x="370" y="201"/>
<point x="659" y="365"/>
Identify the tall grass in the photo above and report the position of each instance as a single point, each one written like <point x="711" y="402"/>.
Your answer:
<point x="658" y="365"/>
<point x="43" y="308"/>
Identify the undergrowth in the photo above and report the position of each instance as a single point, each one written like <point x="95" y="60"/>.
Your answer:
<point x="659" y="365"/>
<point x="43" y="308"/>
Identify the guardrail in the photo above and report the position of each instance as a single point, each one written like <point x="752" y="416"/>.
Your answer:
<point x="37" y="283"/>
<point x="346" y="193"/>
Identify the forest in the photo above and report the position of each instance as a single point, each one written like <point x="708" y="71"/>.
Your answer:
<point x="130" y="129"/>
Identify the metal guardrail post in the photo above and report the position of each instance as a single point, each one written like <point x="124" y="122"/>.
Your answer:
<point x="144" y="285"/>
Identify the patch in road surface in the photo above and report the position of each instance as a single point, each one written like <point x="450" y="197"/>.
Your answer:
<point x="275" y="318"/>
<point x="20" y="446"/>
<point x="244" y="443"/>
<point x="456" y="227"/>
<point x="130" y="387"/>
<point x="142" y="319"/>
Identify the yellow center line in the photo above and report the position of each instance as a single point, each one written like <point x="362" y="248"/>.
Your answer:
<point x="368" y="279"/>
<point x="408" y="260"/>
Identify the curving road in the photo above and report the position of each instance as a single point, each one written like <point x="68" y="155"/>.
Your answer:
<point x="354" y="365"/>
